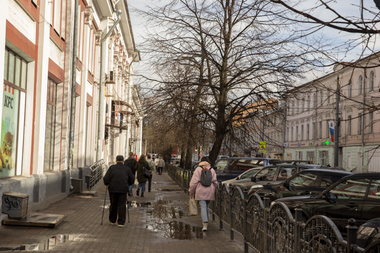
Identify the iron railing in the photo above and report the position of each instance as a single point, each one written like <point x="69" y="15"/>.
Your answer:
<point x="273" y="228"/>
<point x="96" y="173"/>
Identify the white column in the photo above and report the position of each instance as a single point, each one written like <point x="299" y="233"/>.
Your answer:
<point x="41" y="89"/>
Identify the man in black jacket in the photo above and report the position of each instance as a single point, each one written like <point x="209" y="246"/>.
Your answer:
<point x="118" y="178"/>
<point x="132" y="164"/>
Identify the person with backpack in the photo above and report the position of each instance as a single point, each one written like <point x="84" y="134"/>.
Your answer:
<point x="203" y="184"/>
<point x="142" y="165"/>
<point x="132" y="164"/>
<point x="117" y="179"/>
<point x="151" y="168"/>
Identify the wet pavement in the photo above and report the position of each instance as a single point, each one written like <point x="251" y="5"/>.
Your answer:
<point x="159" y="222"/>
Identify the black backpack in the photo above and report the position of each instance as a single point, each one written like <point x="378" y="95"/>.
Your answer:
<point x="206" y="177"/>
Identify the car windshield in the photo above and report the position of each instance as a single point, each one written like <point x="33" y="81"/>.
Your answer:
<point x="243" y="164"/>
<point x="304" y="179"/>
<point x="249" y="173"/>
<point x="221" y="165"/>
<point x="266" y="174"/>
<point x="351" y="189"/>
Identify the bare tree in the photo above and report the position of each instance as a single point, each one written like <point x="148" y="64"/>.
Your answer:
<point x="242" y="52"/>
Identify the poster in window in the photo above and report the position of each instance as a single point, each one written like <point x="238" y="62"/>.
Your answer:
<point x="8" y="132"/>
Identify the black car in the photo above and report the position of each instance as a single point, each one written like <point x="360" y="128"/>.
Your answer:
<point x="274" y="174"/>
<point x="309" y="181"/>
<point x="231" y="167"/>
<point x="356" y="196"/>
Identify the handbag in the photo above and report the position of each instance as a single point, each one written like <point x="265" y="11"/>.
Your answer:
<point x="193" y="207"/>
<point x="147" y="172"/>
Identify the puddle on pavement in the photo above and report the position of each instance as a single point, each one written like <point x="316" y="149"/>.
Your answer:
<point x="48" y="244"/>
<point x="162" y="213"/>
<point x="170" y="190"/>
<point x="138" y="204"/>
<point x="176" y="230"/>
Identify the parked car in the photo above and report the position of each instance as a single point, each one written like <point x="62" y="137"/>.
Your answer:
<point x="273" y="174"/>
<point x="245" y="175"/>
<point x="231" y="167"/>
<point x="305" y="182"/>
<point x="356" y="196"/>
<point x="368" y="233"/>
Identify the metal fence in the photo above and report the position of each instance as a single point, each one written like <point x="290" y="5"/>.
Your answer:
<point x="271" y="229"/>
<point x="96" y="174"/>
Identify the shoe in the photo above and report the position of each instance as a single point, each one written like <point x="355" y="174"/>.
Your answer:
<point x="137" y="192"/>
<point x="204" y="226"/>
<point x="121" y="226"/>
<point x="142" y="194"/>
<point x="148" y="190"/>
<point x="111" y="223"/>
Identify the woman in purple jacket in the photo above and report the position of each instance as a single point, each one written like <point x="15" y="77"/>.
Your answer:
<point x="203" y="193"/>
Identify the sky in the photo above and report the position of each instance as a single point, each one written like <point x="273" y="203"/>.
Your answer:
<point x="347" y="6"/>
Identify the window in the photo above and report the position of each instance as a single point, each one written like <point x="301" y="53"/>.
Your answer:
<point x="371" y="80"/>
<point x="15" y="73"/>
<point x="321" y="97"/>
<point x="324" y="157"/>
<point x="315" y="99"/>
<point x="308" y="102"/>
<point x="360" y="84"/>
<point x="302" y="133"/>
<point x="370" y="122"/>
<point x="304" y="179"/>
<point x="58" y="16"/>
<point x="349" y="89"/>
<point x="320" y="130"/>
<point x="360" y="126"/>
<point x="328" y="96"/>
<point x="297" y="133"/>
<point x="50" y="125"/>
<point x="349" y="125"/>
<point x="351" y="189"/>
<point x="307" y="131"/>
<point x="303" y="104"/>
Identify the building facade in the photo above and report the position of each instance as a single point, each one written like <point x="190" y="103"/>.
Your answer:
<point x="349" y="98"/>
<point x="68" y="95"/>
<point x="302" y="127"/>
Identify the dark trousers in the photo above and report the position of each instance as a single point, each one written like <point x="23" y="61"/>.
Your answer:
<point x="150" y="183"/>
<point x="159" y="170"/>
<point x="118" y="208"/>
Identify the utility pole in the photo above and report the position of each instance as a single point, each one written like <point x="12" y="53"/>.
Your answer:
<point x="337" y="124"/>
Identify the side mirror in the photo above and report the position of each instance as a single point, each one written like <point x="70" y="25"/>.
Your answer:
<point x="330" y="197"/>
<point x="253" y="179"/>
<point x="291" y="187"/>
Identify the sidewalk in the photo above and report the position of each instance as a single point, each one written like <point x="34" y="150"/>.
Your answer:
<point x="159" y="222"/>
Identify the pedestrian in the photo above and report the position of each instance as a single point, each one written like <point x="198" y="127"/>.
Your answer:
<point x="141" y="165"/>
<point x="132" y="164"/>
<point x="204" y="194"/>
<point x="151" y="168"/>
<point x="156" y="163"/>
<point x="160" y="165"/>
<point x="117" y="179"/>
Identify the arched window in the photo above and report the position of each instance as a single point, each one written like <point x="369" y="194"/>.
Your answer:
<point x="360" y="85"/>
<point x="349" y="86"/>
<point x="371" y="80"/>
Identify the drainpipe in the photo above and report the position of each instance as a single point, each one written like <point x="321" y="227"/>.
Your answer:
<point x="73" y="87"/>
<point x="101" y="88"/>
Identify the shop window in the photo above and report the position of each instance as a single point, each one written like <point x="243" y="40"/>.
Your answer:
<point x="50" y="125"/>
<point x="15" y="72"/>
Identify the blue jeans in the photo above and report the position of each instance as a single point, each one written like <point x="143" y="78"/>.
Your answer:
<point x="204" y="210"/>
<point x="131" y="186"/>
<point x="142" y="186"/>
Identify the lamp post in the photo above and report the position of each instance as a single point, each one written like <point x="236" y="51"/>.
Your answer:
<point x="337" y="125"/>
